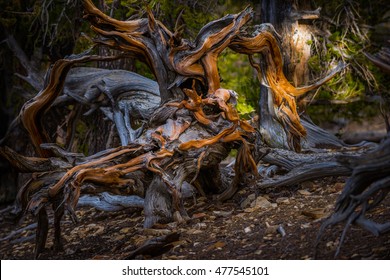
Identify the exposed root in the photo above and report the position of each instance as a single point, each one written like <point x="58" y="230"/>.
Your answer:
<point x="364" y="190"/>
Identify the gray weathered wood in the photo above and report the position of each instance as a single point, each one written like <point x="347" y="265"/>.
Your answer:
<point x="107" y="202"/>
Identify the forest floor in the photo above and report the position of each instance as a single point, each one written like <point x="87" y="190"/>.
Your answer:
<point x="280" y="224"/>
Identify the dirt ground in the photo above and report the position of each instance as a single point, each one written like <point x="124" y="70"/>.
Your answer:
<point x="282" y="223"/>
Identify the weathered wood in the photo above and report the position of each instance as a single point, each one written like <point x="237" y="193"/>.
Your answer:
<point x="322" y="161"/>
<point x="41" y="232"/>
<point x="190" y="123"/>
<point x="158" y="204"/>
<point x="289" y="160"/>
<point x="33" y="110"/>
<point x="26" y="164"/>
<point x="368" y="185"/>
<point x="107" y="202"/>
<point x="305" y="173"/>
<point x="282" y="105"/>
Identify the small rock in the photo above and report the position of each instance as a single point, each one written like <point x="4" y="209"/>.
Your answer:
<point x="200" y="226"/>
<point x="317" y="213"/>
<point x="258" y="252"/>
<point x="247" y="202"/>
<point x="125" y="230"/>
<point x="239" y="216"/>
<point x="242" y="192"/>
<point x="194" y="231"/>
<point x="199" y="215"/>
<point x="268" y="237"/>
<point x="307" y="225"/>
<point x="250" y="210"/>
<point x="69" y="252"/>
<point x="304" y="192"/>
<point x="283" y="200"/>
<point x="261" y="202"/>
<point x="223" y="213"/>
<point x="247" y="229"/>
<point x="271" y="229"/>
<point x="332" y="244"/>
<point x="307" y="185"/>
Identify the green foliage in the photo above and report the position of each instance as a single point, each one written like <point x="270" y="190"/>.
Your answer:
<point x="140" y="67"/>
<point x="238" y="75"/>
<point x="81" y="133"/>
<point x="348" y="40"/>
<point x="354" y="111"/>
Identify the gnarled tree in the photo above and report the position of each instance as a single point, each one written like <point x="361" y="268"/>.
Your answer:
<point x="189" y="123"/>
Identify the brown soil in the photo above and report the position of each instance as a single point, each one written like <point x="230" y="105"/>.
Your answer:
<point x="237" y="229"/>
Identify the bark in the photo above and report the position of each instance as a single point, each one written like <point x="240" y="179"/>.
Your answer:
<point x="190" y="123"/>
<point x="108" y="202"/>
<point x="368" y="185"/>
<point x="158" y="204"/>
<point x="291" y="22"/>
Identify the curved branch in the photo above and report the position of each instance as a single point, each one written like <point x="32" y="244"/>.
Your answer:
<point x="33" y="110"/>
<point x="270" y="72"/>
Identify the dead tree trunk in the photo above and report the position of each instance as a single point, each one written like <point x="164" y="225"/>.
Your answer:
<point x="292" y="23"/>
<point x="190" y="123"/>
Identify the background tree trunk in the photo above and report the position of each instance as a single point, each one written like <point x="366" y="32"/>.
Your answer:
<point x="291" y="20"/>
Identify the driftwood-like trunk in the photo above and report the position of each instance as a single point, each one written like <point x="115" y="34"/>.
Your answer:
<point x="186" y="125"/>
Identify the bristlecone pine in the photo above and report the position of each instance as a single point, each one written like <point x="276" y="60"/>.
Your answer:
<point x="190" y="122"/>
